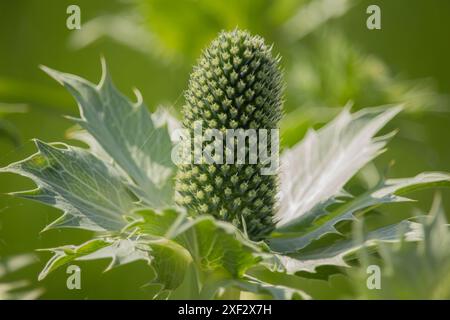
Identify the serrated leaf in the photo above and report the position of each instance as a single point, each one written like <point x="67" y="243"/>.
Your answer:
<point x="161" y="117"/>
<point x="213" y="245"/>
<point x="412" y="272"/>
<point x="159" y="224"/>
<point x="277" y="292"/>
<point x="90" y="192"/>
<point x="65" y="254"/>
<point x="316" y="224"/>
<point x="253" y="285"/>
<point x="170" y="261"/>
<point x="94" y="147"/>
<point x="336" y="253"/>
<point x="125" y="131"/>
<point x="119" y="251"/>
<point x="314" y="172"/>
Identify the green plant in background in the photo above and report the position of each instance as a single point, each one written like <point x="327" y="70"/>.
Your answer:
<point x="305" y="35"/>
<point x="324" y="70"/>
<point x="412" y="271"/>
<point x="237" y="85"/>
<point x="7" y="130"/>
<point x="122" y="186"/>
<point x="349" y="74"/>
<point x="12" y="288"/>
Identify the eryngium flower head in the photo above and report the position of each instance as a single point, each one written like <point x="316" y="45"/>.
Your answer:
<point x="236" y="85"/>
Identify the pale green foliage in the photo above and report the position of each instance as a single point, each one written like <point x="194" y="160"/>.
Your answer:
<point x="168" y="260"/>
<point x="128" y="134"/>
<point x="102" y="190"/>
<point x="65" y="254"/>
<point x="334" y="254"/>
<point x="220" y="253"/>
<point x="315" y="170"/>
<point x="279" y="292"/>
<point x="212" y="244"/>
<point x="119" y="185"/>
<point x="420" y="271"/>
<point x="89" y="191"/>
<point x="313" y="201"/>
<point x="318" y="222"/>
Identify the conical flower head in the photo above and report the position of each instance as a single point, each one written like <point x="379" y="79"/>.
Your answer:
<point x="236" y="87"/>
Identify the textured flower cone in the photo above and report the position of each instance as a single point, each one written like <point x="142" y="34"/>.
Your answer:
<point x="236" y="85"/>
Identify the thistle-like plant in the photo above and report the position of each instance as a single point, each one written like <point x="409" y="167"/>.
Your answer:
<point x="236" y="85"/>
<point x="122" y="187"/>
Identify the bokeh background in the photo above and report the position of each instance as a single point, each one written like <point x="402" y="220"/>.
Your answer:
<point x="329" y="56"/>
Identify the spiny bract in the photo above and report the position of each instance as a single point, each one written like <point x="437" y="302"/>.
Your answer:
<point x="237" y="84"/>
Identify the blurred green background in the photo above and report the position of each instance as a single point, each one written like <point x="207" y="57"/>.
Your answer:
<point x="329" y="58"/>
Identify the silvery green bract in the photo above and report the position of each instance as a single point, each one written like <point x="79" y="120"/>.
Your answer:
<point x="122" y="187"/>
